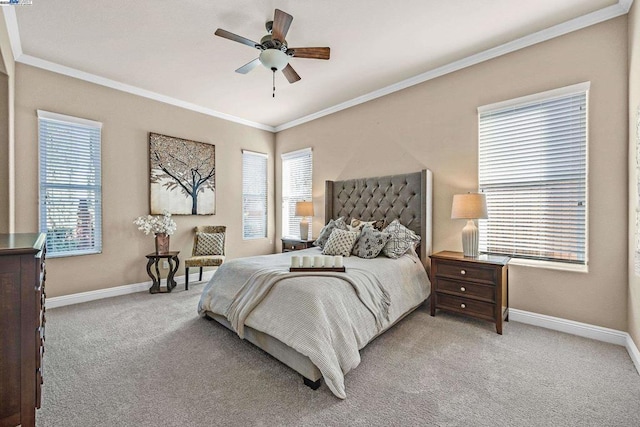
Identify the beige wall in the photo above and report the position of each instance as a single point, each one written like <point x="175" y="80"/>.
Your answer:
<point x="634" y="106"/>
<point x="127" y="120"/>
<point x="4" y="153"/>
<point x="434" y="125"/>
<point x="7" y="74"/>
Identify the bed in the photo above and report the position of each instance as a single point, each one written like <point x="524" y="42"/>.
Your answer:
<point x="316" y="323"/>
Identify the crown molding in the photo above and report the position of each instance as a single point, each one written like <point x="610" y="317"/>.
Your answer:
<point x="11" y="22"/>
<point x="604" y="14"/>
<point x="103" y="81"/>
<point x="625" y="4"/>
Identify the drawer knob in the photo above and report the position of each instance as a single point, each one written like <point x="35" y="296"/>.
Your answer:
<point x="463" y="272"/>
<point x="463" y="306"/>
<point x="462" y="288"/>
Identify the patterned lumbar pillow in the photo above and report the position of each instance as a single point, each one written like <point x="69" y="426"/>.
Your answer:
<point x="209" y="244"/>
<point x="340" y="242"/>
<point x="326" y="231"/>
<point x="370" y="243"/>
<point x="358" y="224"/>
<point x="402" y="239"/>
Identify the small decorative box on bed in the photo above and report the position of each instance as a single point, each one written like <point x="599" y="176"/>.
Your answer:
<point x="356" y="287"/>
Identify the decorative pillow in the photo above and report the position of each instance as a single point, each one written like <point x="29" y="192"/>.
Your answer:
<point x="209" y="244"/>
<point x="402" y="239"/>
<point x="370" y="243"/>
<point x="339" y="224"/>
<point x="340" y="242"/>
<point x="358" y="224"/>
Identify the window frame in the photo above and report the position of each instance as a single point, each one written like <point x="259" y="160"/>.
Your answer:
<point x="95" y="164"/>
<point x="264" y="156"/>
<point x="563" y="92"/>
<point x="287" y="199"/>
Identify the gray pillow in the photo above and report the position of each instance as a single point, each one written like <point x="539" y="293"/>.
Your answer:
<point x="340" y="242"/>
<point x="370" y="243"/>
<point x="339" y="224"/>
<point x="402" y="239"/>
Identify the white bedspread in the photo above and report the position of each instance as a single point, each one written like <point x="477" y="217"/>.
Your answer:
<point x="321" y="317"/>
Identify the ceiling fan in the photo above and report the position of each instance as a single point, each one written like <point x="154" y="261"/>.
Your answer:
<point x="275" y="51"/>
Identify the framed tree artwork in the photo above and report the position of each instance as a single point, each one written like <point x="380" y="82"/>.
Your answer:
<point x="182" y="176"/>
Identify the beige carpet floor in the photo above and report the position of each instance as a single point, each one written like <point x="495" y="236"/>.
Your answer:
<point x="149" y="360"/>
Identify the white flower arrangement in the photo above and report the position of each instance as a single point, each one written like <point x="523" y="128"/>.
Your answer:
<point x="156" y="224"/>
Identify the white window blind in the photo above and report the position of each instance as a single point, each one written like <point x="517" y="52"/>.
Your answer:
<point x="70" y="184"/>
<point x="297" y="170"/>
<point x="254" y="195"/>
<point x="533" y="170"/>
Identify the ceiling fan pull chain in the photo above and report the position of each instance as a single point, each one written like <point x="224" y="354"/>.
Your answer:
<point x="274" y="82"/>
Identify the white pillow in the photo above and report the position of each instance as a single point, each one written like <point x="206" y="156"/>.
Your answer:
<point x="340" y="242"/>
<point x="358" y="224"/>
<point x="402" y="239"/>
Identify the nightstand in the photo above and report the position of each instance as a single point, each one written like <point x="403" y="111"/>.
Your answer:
<point x="477" y="287"/>
<point x="290" y="244"/>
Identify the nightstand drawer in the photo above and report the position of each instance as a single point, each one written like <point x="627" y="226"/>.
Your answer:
<point x="293" y="246"/>
<point x="467" y="271"/>
<point x="464" y="305"/>
<point x="467" y="289"/>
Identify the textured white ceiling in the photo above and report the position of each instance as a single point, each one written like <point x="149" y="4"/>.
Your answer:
<point x="168" y="46"/>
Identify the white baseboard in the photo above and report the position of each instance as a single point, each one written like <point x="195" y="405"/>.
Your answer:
<point x="586" y="330"/>
<point x="80" y="297"/>
<point x="633" y="352"/>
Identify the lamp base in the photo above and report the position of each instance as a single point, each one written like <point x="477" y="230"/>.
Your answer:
<point x="304" y="229"/>
<point x="470" y="237"/>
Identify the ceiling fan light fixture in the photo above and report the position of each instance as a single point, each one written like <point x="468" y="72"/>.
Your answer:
<point x="274" y="58"/>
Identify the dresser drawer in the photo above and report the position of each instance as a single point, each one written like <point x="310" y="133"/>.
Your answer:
<point x="466" y="289"/>
<point x="465" y="305"/>
<point x="461" y="271"/>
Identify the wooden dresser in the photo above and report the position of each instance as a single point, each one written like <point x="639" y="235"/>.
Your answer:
<point x="477" y="287"/>
<point x="22" y="324"/>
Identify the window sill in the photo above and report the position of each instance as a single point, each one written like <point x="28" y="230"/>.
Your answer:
<point x="549" y="265"/>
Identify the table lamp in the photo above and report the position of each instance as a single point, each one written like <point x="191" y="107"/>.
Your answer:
<point x="304" y="209"/>
<point x="469" y="206"/>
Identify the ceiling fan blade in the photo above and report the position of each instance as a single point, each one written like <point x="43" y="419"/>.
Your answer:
<point x="281" y="24"/>
<point x="248" y="66"/>
<point x="311" y="52"/>
<point x="290" y="74"/>
<point x="236" y="38"/>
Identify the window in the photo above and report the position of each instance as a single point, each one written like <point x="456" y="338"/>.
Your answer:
<point x="297" y="168"/>
<point x="533" y="169"/>
<point x="70" y="184"/>
<point x="254" y="195"/>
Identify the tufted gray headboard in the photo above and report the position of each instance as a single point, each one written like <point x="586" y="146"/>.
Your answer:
<point x="407" y="197"/>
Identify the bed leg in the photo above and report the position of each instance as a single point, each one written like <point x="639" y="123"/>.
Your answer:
<point x="313" y="385"/>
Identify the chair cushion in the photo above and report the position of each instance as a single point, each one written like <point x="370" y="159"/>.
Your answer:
<point x="209" y="244"/>
<point x="204" y="261"/>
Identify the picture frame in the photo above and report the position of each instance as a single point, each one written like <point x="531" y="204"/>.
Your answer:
<point x="181" y="176"/>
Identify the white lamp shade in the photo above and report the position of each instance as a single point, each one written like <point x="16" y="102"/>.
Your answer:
<point x="469" y="206"/>
<point x="274" y="58"/>
<point x="304" y="208"/>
